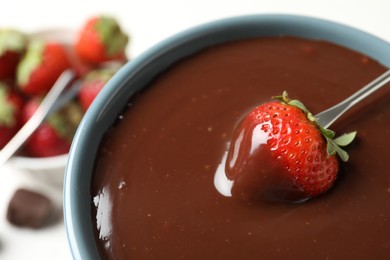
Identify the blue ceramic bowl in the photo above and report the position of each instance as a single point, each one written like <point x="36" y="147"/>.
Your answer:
<point x="139" y="72"/>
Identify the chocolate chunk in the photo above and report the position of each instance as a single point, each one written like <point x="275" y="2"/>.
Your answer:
<point x="29" y="209"/>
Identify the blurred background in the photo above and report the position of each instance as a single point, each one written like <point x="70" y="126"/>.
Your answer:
<point x="147" y="22"/>
<point x="150" y="21"/>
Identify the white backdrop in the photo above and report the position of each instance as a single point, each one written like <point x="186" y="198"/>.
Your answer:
<point x="148" y="22"/>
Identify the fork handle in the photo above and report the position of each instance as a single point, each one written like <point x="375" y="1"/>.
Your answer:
<point x="47" y="104"/>
<point x="330" y="115"/>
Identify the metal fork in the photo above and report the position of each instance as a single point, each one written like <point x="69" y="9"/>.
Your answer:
<point x="56" y="98"/>
<point x="330" y="115"/>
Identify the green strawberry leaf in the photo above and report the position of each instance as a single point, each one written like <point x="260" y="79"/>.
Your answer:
<point x="12" y="40"/>
<point x="327" y="132"/>
<point x="6" y="109"/>
<point x="66" y="120"/>
<point x="30" y="62"/>
<point x="279" y="98"/>
<point x="298" y="104"/>
<point x="111" y="34"/>
<point x="333" y="145"/>
<point x="311" y="117"/>
<point x="342" y="154"/>
<point x="345" y="139"/>
<point x="331" y="148"/>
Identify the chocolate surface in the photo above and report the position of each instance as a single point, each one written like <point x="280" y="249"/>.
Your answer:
<point x="153" y="187"/>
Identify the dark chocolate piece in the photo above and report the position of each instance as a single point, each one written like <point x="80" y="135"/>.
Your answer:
<point x="29" y="209"/>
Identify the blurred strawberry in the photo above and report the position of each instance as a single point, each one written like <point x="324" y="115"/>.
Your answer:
<point x="11" y="104"/>
<point x="101" y="39"/>
<point x="80" y="67"/>
<point x="54" y="136"/>
<point x="41" y="66"/>
<point x="12" y="46"/>
<point x="92" y="84"/>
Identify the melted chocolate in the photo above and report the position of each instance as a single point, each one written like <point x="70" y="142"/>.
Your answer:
<point x="153" y="186"/>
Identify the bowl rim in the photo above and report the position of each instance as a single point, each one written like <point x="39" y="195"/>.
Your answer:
<point x="77" y="203"/>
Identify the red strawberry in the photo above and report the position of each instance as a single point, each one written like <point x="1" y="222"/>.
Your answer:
<point x="280" y="153"/>
<point x="11" y="104"/>
<point x="93" y="82"/>
<point x="100" y="40"/>
<point x="41" y="66"/>
<point x="12" y="47"/>
<point x="54" y="136"/>
<point x="80" y="67"/>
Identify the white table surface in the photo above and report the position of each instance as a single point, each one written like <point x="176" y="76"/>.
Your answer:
<point x="148" y="22"/>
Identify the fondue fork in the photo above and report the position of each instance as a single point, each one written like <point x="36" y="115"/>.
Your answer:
<point x="56" y="98"/>
<point x="330" y="115"/>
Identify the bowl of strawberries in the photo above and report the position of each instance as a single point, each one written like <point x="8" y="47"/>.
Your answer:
<point x="30" y="64"/>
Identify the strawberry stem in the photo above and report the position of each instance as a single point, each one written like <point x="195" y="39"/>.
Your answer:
<point x="6" y="109"/>
<point x="111" y="34"/>
<point x="333" y="144"/>
<point x="12" y="40"/>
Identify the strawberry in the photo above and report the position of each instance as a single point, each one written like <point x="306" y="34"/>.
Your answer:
<point x="54" y="136"/>
<point x="41" y="66"/>
<point x="280" y="153"/>
<point x="92" y="84"/>
<point x="80" y="67"/>
<point x="11" y="104"/>
<point x="101" y="39"/>
<point x="12" y="46"/>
